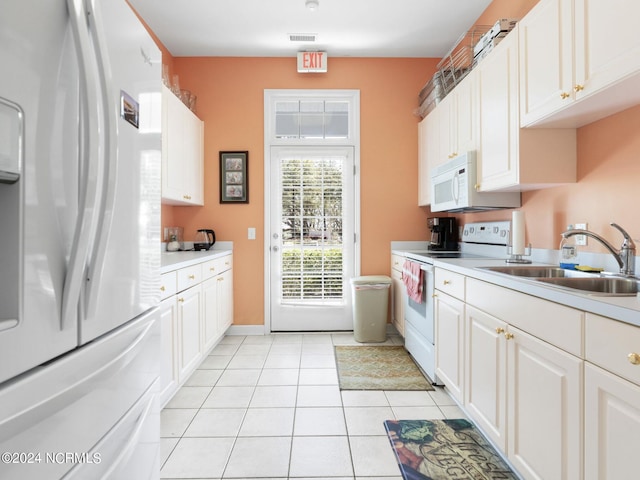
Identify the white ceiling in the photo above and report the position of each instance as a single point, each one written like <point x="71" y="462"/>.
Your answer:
<point x="345" y="28"/>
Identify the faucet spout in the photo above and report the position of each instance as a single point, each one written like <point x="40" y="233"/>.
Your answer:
<point x="625" y="256"/>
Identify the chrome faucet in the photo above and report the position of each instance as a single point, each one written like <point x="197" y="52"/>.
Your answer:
<point x="626" y="257"/>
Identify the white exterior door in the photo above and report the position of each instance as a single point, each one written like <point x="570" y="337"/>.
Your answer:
<point x="312" y="225"/>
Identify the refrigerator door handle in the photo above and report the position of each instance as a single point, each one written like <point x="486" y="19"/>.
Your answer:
<point x="90" y="165"/>
<point x="110" y="158"/>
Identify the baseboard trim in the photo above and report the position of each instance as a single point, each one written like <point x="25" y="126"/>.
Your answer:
<point x="246" y="330"/>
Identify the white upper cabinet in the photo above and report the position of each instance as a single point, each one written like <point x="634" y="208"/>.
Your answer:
<point x="182" y="153"/>
<point x="579" y="61"/>
<point x="511" y="158"/>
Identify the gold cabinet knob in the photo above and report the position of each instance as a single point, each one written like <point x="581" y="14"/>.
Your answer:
<point x="634" y="358"/>
<point x="499" y="330"/>
<point x="162" y="289"/>
<point x="508" y="336"/>
<point x="181" y="300"/>
<point x="212" y="269"/>
<point x="477" y="186"/>
<point x="434" y="295"/>
<point x="578" y="88"/>
<point x="446" y="282"/>
<point x="186" y="197"/>
<point x="565" y="95"/>
<point x="227" y="262"/>
<point x="221" y="279"/>
<point x="192" y="277"/>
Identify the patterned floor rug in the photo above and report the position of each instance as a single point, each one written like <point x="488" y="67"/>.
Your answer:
<point x="378" y="368"/>
<point x="444" y="449"/>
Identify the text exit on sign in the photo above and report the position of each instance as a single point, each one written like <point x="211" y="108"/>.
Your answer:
<point x="312" y="62"/>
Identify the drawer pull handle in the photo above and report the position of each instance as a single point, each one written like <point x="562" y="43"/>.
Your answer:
<point x="435" y="295"/>
<point x="446" y="282"/>
<point x="634" y="358"/>
<point x="162" y="289"/>
<point x="565" y="95"/>
<point x="212" y="269"/>
<point x="192" y="277"/>
<point x="227" y="262"/>
<point x="508" y="336"/>
<point x="499" y="330"/>
<point x="221" y="279"/>
<point x="181" y="300"/>
<point x="578" y="88"/>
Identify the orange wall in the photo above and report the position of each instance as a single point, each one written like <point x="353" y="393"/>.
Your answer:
<point x="230" y="102"/>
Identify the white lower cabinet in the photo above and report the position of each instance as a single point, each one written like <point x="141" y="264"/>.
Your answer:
<point x="196" y="311"/>
<point x="612" y="425"/>
<point x="544" y="409"/>
<point x="519" y="373"/>
<point x="189" y="313"/>
<point x="169" y="347"/>
<point x="612" y="398"/>
<point x="486" y="374"/>
<point x="449" y="336"/>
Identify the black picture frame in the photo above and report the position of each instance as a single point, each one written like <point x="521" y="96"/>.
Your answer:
<point x="234" y="177"/>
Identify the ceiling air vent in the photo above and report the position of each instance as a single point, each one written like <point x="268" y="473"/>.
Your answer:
<point x="303" y="37"/>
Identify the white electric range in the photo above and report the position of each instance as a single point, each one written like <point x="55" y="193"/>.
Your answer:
<point x="419" y="325"/>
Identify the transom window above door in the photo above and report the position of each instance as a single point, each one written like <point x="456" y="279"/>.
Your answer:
<point x="307" y="119"/>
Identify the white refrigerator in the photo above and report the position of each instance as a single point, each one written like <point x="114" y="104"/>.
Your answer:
<point x="80" y="153"/>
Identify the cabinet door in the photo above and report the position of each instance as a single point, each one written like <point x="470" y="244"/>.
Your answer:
<point x="182" y="153"/>
<point x="172" y="140"/>
<point x="194" y="161"/>
<point x="486" y="374"/>
<point x="465" y="114"/>
<point x="612" y="425"/>
<point x="210" y="310"/>
<point x="169" y="348"/>
<point x="546" y="60"/>
<point x="497" y="77"/>
<point x="426" y="129"/>
<point x="189" y="311"/>
<point x="449" y="342"/>
<point x="544" y="409"/>
<point x="607" y="43"/>
<point x="225" y="301"/>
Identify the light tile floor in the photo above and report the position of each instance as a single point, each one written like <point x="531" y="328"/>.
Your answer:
<point x="269" y="407"/>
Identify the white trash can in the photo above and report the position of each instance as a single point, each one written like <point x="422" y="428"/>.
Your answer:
<point x="370" y="304"/>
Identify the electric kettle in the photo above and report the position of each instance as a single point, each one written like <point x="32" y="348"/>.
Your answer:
<point x="204" y="240"/>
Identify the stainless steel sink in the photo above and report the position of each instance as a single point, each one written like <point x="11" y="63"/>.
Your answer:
<point x="607" y="286"/>
<point x="535" y="272"/>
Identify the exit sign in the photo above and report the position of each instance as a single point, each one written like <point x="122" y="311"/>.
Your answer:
<point x="312" y="62"/>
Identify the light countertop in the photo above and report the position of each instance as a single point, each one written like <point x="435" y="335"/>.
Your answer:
<point x="176" y="260"/>
<point x="625" y="309"/>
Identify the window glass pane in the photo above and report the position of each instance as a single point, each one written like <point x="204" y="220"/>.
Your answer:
<point x="311" y="125"/>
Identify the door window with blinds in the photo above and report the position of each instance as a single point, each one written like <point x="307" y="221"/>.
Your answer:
<point x="311" y="158"/>
<point x="312" y="234"/>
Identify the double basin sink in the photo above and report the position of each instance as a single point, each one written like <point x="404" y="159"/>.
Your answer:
<point x="575" y="280"/>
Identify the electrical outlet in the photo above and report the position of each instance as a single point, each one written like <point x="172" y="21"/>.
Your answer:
<point x="581" y="239"/>
<point x="251" y="233"/>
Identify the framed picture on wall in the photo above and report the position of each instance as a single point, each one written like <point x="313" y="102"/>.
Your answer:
<point x="234" y="177"/>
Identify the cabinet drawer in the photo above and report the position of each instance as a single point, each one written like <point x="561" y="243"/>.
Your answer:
<point x="450" y="282"/>
<point x="189" y="276"/>
<point x="554" y="323"/>
<point x="612" y="345"/>
<point x="396" y="262"/>
<point x="216" y="266"/>
<point x="168" y="284"/>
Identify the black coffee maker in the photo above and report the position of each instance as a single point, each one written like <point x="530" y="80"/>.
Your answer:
<point x="444" y="233"/>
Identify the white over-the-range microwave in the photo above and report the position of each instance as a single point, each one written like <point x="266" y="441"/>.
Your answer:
<point x="453" y="188"/>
